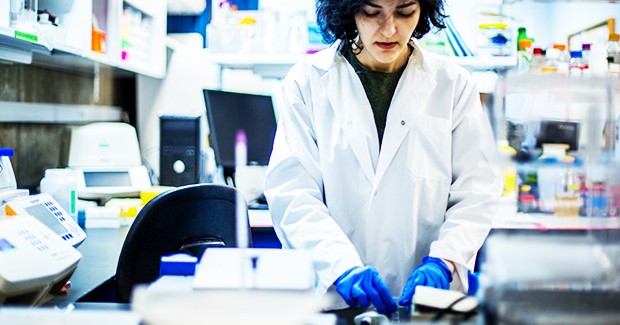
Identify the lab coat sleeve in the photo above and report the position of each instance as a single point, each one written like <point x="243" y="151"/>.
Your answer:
<point x="475" y="182"/>
<point x="294" y="187"/>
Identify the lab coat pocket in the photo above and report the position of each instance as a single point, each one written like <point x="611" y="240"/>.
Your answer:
<point x="429" y="154"/>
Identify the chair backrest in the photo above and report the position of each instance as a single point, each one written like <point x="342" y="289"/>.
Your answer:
<point x="187" y="219"/>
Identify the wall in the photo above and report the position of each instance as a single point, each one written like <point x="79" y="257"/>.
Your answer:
<point x="41" y="146"/>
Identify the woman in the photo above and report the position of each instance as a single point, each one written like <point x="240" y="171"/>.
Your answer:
<point x="381" y="165"/>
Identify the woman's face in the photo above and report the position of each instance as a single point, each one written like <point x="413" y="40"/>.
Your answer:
<point x="385" y="27"/>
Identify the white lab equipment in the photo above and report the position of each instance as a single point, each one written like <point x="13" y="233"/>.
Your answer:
<point x="278" y="290"/>
<point x="34" y="262"/>
<point x="45" y="209"/>
<point x="61" y="184"/>
<point x="235" y="268"/>
<point x="106" y="157"/>
<point x="8" y="184"/>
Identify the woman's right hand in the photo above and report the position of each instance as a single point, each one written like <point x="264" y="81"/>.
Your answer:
<point x="362" y="285"/>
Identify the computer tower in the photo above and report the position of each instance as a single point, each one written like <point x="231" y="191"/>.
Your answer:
<point x="179" y="154"/>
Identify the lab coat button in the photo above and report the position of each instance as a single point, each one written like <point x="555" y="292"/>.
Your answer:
<point x="374" y="194"/>
<point x="402" y="122"/>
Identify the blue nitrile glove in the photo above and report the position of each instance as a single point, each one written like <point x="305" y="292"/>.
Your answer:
<point x="433" y="272"/>
<point x="472" y="282"/>
<point x="363" y="285"/>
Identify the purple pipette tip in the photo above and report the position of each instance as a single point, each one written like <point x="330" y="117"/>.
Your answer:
<point x="240" y="137"/>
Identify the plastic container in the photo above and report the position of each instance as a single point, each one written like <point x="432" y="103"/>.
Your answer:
<point x="585" y="51"/>
<point x="521" y="34"/>
<point x="552" y="59"/>
<point x="7" y="177"/>
<point x="563" y="58"/>
<point x="524" y="55"/>
<point x="568" y="201"/>
<point x="538" y="59"/>
<point x="61" y="184"/>
<point x="613" y="54"/>
<point x="550" y="172"/>
<point x="576" y="64"/>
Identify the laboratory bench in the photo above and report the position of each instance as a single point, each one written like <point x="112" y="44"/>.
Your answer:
<point x="92" y="284"/>
<point x="100" y="252"/>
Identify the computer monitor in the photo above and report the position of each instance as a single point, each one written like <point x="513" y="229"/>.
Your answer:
<point x="228" y="112"/>
<point x="559" y="132"/>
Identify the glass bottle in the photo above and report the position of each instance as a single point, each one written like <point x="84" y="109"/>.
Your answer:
<point x="576" y="64"/>
<point x="538" y="59"/>
<point x="521" y="34"/>
<point x="550" y="171"/>
<point x="568" y="199"/>
<point x="524" y="55"/>
<point x="552" y="57"/>
<point x="585" y="51"/>
<point x="563" y="58"/>
<point x="61" y="184"/>
<point x="613" y="54"/>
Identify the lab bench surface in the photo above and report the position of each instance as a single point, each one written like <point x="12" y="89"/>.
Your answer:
<point x="100" y="252"/>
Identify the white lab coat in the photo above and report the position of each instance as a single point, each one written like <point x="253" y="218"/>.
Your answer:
<point x="331" y="191"/>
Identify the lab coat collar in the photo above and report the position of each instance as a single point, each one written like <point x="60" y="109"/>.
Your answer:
<point x="352" y="108"/>
<point x="327" y="58"/>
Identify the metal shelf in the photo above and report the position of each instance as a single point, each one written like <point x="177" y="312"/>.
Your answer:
<point x="17" y="112"/>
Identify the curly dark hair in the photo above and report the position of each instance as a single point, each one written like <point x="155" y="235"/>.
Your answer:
<point x="336" y="18"/>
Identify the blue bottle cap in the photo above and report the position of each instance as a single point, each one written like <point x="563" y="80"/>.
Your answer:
<point x="178" y="264"/>
<point x="9" y="152"/>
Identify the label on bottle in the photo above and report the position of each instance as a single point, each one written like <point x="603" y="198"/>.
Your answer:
<point x="72" y="204"/>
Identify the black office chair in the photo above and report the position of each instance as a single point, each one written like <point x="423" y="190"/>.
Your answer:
<point x="187" y="219"/>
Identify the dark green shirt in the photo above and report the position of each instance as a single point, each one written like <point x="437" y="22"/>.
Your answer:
<point x="379" y="87"/>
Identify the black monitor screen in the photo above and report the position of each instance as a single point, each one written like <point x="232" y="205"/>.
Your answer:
<point x="558" y="132"/>
<point x="228" y="112"/>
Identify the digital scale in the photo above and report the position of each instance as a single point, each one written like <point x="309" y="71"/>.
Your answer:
<point x="45" y="209"/>
<point x="34" y="262"/>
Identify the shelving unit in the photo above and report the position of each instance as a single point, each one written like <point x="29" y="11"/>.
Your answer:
<point x="135" y="44"/>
